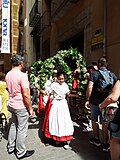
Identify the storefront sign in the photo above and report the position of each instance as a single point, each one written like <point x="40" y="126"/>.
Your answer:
<point x="5" y="46"/>
<point x="97" y="40"/>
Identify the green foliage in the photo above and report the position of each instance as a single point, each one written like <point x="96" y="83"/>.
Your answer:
<point x="42" y="71"/>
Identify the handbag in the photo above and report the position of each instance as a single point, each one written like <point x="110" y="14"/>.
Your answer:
<point x="110" y="112"/>
<point x="111" y="115"/>
<point x="75" y="84"/>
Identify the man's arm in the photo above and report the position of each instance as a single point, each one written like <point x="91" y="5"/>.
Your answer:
<point x="88" y="94"/>
<point x="27" y="100"/>
<point x="89" y="90"/>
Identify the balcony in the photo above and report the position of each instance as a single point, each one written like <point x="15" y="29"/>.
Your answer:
<point x="44" y="22"/>
<point x="59" y="8"/>
<point x="34" y="16"/>
<point x="35" y="31"/>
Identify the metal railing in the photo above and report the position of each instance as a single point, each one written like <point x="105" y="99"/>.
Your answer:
<point x="34" y="15"/>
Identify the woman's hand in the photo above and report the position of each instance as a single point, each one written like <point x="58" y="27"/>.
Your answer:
<point x="43" y="92"/>
<point x="31" y="112"/>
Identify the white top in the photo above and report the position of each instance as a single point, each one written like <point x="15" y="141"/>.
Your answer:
<point x="59" y="91"/>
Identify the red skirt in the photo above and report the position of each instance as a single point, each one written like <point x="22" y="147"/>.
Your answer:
<point x="45" y="126"/>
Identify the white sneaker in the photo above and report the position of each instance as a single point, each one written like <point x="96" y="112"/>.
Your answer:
<point x="66" y="146"/>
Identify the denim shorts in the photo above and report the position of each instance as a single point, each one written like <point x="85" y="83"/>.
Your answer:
<point x="96" y="113"/>
<point x="115" y="134"/>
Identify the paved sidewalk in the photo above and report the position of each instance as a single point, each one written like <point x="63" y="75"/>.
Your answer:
<point x="80" y="149"/>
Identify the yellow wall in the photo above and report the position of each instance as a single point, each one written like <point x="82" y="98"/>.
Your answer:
<point x="15" y="4"/>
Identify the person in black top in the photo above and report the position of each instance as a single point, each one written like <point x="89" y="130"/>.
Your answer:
<point x="93" y="99"/>
<point x="90" y="69"/>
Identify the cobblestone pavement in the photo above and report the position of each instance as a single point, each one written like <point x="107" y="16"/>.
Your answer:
<point x="80" y="148"/>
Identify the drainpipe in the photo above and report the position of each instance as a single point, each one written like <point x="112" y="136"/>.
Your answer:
<point x="104" y="27"/>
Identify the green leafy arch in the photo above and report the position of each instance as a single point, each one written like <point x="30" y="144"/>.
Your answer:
<point x="41" y="71"/>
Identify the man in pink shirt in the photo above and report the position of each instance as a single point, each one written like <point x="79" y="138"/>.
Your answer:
<point x="20" y="106"/>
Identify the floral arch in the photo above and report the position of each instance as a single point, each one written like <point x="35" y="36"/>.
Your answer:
<point x="42" y="70"/>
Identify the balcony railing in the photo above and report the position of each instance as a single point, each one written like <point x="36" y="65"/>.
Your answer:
<point x="44" y="22"/>
<point x="34" y="16"/>
<point x="35" y="31"/>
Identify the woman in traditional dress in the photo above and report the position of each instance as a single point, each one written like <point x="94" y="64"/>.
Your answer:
<point x="57" y="121"/>
<point x="44" y="95"/>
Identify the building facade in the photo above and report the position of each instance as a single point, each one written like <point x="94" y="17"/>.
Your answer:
<point x="32" y="15"/>
<point x="16" y="31"/>
<point x="91" y="26"/>
<point x="1" y="55"/>
<point x="39" y="28"/>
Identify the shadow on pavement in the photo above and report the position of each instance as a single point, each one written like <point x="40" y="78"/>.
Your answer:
<point x="80" y="145"/>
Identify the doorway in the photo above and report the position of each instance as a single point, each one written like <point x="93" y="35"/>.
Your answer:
<point x="76" y="41"/>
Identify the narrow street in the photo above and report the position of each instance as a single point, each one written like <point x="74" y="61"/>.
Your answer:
<point x="80" y="148"/>
<point x="53" y="36"/>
